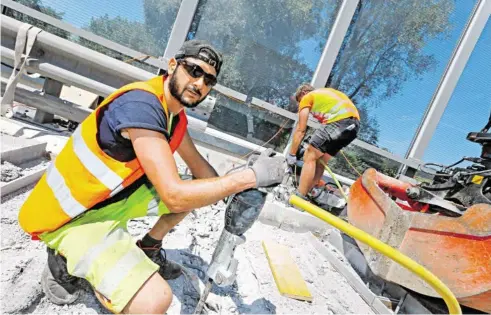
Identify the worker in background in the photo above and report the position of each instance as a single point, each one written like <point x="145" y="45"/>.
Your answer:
<point x="119" y="165"/>
<point x="340" y="124"/>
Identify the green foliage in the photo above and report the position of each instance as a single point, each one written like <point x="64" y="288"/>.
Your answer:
<point x="131" y="34"/>
<point x="361" y="160"/>
<point x="37" y="5"/>
<point x="264" y="43"/>
<point x="384" y="48"/>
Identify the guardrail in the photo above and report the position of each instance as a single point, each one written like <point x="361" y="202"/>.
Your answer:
<point x="73" y="64"/>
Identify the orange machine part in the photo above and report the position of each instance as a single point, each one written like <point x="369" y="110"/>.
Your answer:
<point x="456" y="249"/>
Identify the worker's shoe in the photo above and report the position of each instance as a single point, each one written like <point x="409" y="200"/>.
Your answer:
<point x="169" y="270"/>
<point x="58" y="285"/>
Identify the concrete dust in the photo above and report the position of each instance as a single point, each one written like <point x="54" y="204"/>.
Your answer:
<point x="191" y="244"/>
<point x="11" y="172"/>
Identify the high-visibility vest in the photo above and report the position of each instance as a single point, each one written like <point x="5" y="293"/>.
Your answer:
<point x="83" y="175"/>
<point x="328" y="105"/>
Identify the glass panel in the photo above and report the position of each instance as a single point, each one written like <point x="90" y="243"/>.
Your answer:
<point x="353" y="160"/>
<point x="246" y="122"/>
<point x="467" y="110"/>
<point x="143" y="25"/>
<point x="391" y="61"/>
<point x="269" y="47"/>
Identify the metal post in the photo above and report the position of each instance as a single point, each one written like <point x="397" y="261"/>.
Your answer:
<point x="334" y="42"/>
<point x="181" y="27"/>
<point x="449" y="80"/>
<point x="50" y="87"/>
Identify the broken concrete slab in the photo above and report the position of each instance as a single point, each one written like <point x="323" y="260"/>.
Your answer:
<point x="254" y="291"/>
<point x="290" y="219"/>
<point x="342" y="266"/>
<point x="18" y="150"/>
<point x="54" y="140"/>
<point x="23" y="181"/>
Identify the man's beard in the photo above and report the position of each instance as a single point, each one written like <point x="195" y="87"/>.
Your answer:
<point x="174" y="91"/>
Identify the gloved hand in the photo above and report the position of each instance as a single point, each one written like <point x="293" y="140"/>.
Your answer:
<point x="269" y="169"/>
<point x="291" y="159"/>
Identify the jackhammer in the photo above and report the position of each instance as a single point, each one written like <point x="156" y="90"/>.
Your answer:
<point x="241" y="212"/>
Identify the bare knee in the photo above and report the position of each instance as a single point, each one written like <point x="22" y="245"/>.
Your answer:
<point x="311" y="154"/>
<point x="154" y="297"/>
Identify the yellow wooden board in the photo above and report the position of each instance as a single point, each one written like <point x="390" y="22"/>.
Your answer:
<point x="477" y="179"/>
<point x="285" y="272"/>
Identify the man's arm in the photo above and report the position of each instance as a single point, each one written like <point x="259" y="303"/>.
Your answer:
<point x="303" y="117"/>
<point x="157" y="160"/>
<point x="199" y="166"/>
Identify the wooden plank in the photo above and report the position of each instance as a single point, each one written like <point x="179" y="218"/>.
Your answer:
<point x="286" y="273"/>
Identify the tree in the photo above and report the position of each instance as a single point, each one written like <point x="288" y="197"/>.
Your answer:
<point x="264" y="44"/>
<point x="131" y="34"/>
<point x="384" y="48"/>
<point x="37" y="5"/>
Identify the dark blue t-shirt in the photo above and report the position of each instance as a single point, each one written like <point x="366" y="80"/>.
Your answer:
<point x="134" y="109"/>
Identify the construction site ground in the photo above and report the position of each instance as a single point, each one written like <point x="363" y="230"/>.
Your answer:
<point x="191" y="244"/>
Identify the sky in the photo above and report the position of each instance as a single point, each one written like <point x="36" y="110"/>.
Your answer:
<point x="399" y="117"/>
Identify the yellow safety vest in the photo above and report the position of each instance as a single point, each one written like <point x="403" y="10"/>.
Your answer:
<point x="83" y="175"/>
<point x="328" y="105"/>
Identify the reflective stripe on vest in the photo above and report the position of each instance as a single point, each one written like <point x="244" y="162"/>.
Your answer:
<point x="83" y="175"/>
<point x="86" y="261"/>
<point x="113" y="278"/>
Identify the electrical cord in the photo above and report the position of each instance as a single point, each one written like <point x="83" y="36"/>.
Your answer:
<point x="262" y="146"/>
<point x="139" y="58"/>
<point x="347" y="160"/>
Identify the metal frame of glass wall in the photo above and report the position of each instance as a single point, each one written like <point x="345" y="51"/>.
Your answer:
<point x="434" y="111"/>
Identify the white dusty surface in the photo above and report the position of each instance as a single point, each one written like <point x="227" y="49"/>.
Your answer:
<point x="191" y="243"/>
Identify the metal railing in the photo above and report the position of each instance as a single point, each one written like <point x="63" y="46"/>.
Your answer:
<point x="73" y="64"/>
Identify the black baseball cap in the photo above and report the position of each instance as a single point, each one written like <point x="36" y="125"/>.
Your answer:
<point x="202" y="50"/>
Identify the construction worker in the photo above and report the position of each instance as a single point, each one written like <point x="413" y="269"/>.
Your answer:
<point x="341" y="122"/>
<point x="119" y="165"/>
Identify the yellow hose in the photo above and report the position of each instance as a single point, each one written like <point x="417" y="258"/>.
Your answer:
<point x="447" y="295"/>
<point x="335" y="179"/>
<point x="400" y="258"/>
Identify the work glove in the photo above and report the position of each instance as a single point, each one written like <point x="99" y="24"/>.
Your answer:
<point x="269" y="169"/>
<point x="291" y="159"/>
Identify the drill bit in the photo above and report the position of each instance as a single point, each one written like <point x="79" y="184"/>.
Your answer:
<point x="202" y="300"/>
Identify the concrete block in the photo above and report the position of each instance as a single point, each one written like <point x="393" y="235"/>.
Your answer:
<point x="50" y="87"/>
<point x="272" y="214"/>
<point x="18" y="150"/>
<point x="353" y="279"/>
<point x="10" y="187"/>
<point x="335" y="239"/>
<point x="290" y="219"/>
<point x="43" y="117"/>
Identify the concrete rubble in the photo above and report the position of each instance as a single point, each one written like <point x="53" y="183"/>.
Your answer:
<point x="191" y="244"/>
<point x="10" y="171"/>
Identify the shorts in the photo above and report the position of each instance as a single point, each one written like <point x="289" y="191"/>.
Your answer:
<point x="98" y="247"/>
<point x="335" y="136"/>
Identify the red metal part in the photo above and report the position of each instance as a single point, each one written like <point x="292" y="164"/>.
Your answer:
<point x="456" y="249"/>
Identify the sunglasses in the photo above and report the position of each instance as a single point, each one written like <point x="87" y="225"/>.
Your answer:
<point x="197" y="72"/>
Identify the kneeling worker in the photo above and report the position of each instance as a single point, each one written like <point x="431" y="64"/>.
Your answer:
<point x="341" y="122"/>
<point x="119" y="165"/>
